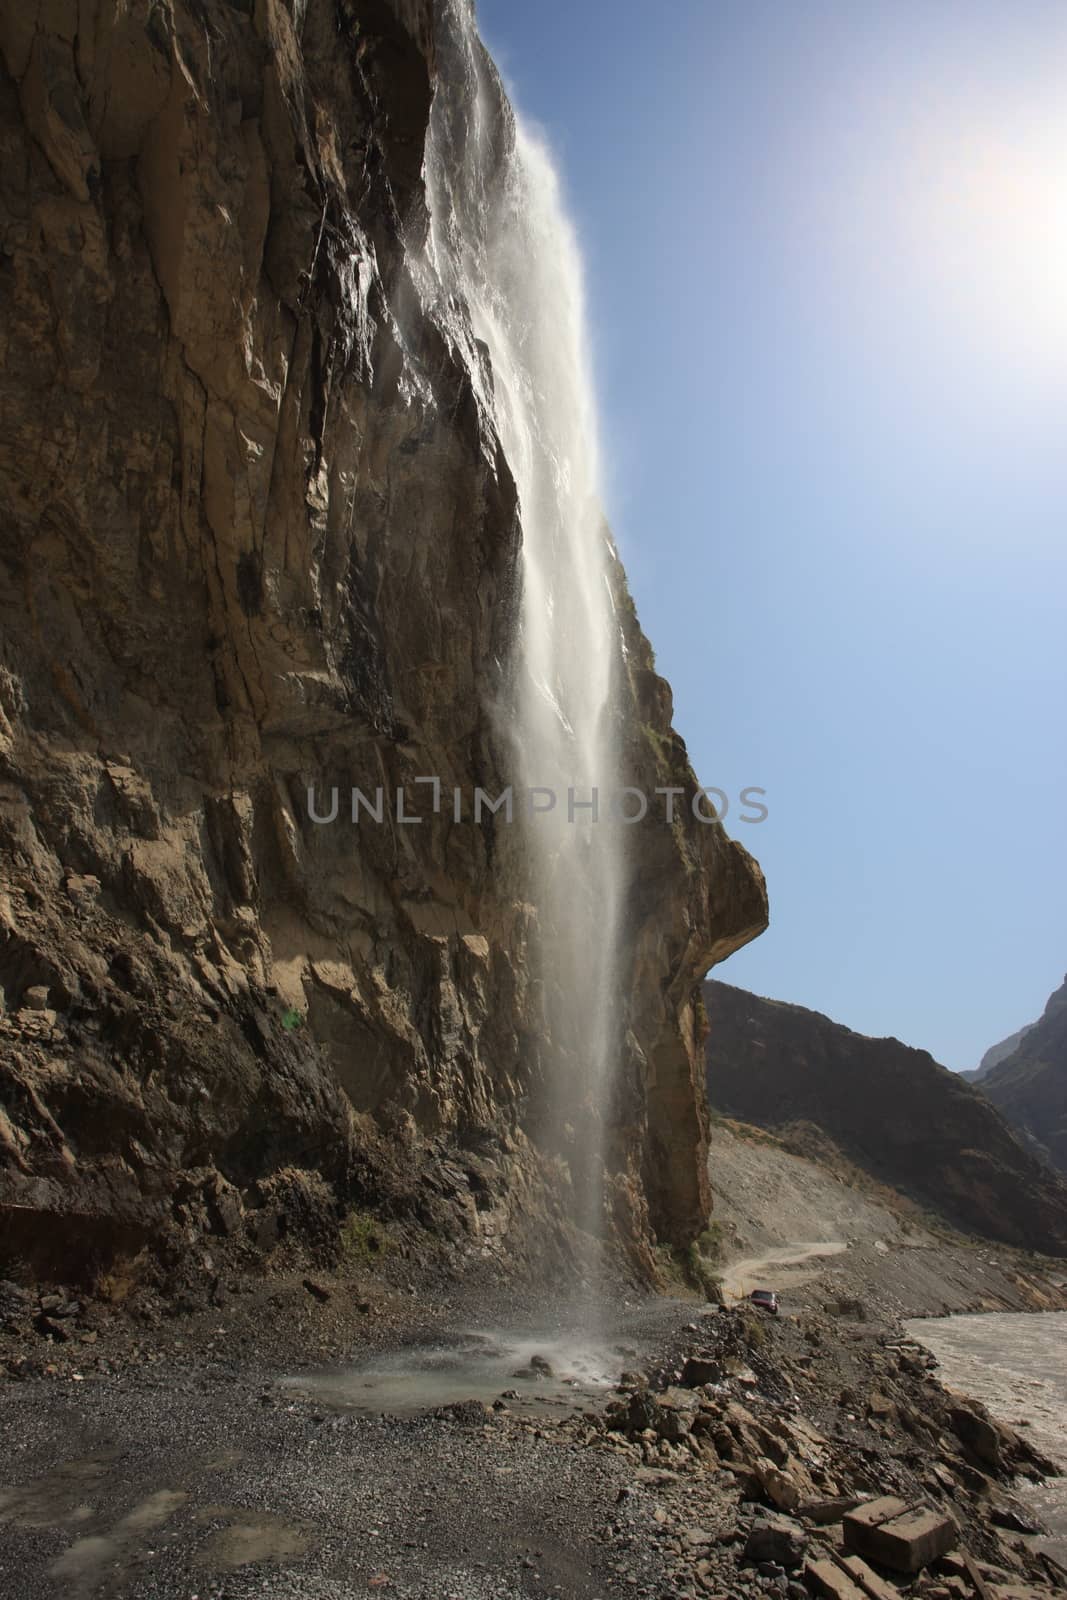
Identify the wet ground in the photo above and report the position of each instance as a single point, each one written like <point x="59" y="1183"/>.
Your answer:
<point x="531" y="1370"/>
<point x="206" y="1485"/>
<point x="559" y="1363"/>
<point x="190" y="1482"/>
<point x="208" y="1461"/>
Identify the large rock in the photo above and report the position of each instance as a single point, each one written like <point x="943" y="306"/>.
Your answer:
<point x="257" y="532"/>
<point x="824" y="1577"/>
<point x="872" y="1583"/>
<point x="702" y="1369"/>
<point x="780" y="1488"/>
<point x="776" y="1538"/>
<point x="827" y="1509"/>
<point x="977" y="1434"/>
<point x="902" y="1537"/>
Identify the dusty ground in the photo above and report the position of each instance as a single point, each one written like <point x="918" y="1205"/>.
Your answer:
<point x="895" y="1261"/>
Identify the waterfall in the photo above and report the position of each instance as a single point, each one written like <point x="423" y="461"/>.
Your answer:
<point x="501" y="246"/>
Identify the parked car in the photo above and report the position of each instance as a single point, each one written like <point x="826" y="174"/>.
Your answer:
<point x="766" y="1299"/>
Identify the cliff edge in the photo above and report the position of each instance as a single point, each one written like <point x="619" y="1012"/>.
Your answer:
<point x="258" y="535"/>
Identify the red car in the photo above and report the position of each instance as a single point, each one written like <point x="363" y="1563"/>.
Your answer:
<point x="766" y="1299"/>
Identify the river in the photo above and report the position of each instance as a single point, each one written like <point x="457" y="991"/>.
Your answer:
<point x="1017" y="1366"/>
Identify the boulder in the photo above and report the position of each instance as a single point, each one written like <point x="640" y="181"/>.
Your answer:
<point x="869" y="1581"/>
<point x="849" y="1310"/>
<point x="902" y="1537"/>
<point x="670" y="1424"/>
<point x="776" y="1538"/>
<point x="1012" y="1519"/>
<point x="831" y="1509"/>
<point x="779" y="1488"/>
<point x="224" y="1206"/>
<point x="978" y="1435"/>
<point x="677" y="1399"/>
<point x="699" y="1370"/>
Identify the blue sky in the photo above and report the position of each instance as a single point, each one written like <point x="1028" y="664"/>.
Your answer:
<point x="826" y="249"/>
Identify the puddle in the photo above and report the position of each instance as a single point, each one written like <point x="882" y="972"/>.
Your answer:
<point x="535" y="1370"/>
<point x="249" y="1538"/>
<point x="60" y="1496"/>
<point x="87" y="1558"/>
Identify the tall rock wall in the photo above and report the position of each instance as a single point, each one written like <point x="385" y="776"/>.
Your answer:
<point x="255" y="535"/>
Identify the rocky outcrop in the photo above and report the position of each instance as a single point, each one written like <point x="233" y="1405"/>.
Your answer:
<point x="256" y="534"/>
<point x="892" y="1110"/>
<point x="1028" y="1084"/>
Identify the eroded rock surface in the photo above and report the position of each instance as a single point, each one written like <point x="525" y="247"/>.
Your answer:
<point x="256" y="534"/>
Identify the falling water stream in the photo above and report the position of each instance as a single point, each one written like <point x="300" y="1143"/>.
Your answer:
<point x="501" y="273"/>
<point x="502" y="249"/>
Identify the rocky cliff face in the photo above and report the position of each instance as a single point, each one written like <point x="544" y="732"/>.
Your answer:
<point x="892" y="1110"/>
<point x="1028" y="1084"/>
<point x="256" y="535"/>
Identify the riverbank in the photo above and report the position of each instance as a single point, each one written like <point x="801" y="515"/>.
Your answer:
<point x="1015" y="1365"/>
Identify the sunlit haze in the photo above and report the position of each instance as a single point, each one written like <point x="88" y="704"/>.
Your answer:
<point x="827" y="260"/>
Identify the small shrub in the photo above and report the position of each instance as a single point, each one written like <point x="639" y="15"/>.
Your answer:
<point x="711" y="1241"/>
<point x="755" y="1333"/>
<point x="362" y="1237"/>
<point x="122" y="1277"/>
<point x="699" y="1272"/>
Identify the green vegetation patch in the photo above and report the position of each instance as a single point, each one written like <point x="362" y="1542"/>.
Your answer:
<point x="363" y="1238"/>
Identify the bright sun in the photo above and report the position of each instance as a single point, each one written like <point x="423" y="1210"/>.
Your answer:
<point x="989" y="214"/>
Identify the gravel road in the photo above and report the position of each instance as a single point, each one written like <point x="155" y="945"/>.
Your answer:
<point x="208" y="1485"/>
<point x="208" y="1479"/>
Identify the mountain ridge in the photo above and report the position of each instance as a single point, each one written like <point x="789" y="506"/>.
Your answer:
<point x="891" y="1109"/>
<point x="1028" y="1085"/>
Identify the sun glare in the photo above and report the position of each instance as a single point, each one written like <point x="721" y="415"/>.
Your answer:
<point x="988" y="215"/>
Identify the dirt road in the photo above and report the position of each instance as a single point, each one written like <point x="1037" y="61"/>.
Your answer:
<point x="778" y="1269"/>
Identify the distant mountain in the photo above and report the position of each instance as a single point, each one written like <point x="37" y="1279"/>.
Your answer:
<point x="996" y="1054"/>
<point x="1028" y="1084"/>
<point x="891" y="1109"/>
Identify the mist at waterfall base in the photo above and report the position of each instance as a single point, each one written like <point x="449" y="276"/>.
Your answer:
<point x="502" y="250"/>
<point x="537" y="1369"/>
